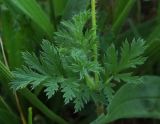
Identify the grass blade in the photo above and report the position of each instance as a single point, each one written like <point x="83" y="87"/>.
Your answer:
<point x="7" y="118"/>
<point x="131" y="102"/>
<point x="34" y="11"/>
<point x="10" y="39"/>
<point x="121" y="13"/>
<point x="59" y="6"/>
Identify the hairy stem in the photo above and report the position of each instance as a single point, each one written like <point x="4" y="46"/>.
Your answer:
<point x="94" y="27"/>
<point x="99" y="107"/>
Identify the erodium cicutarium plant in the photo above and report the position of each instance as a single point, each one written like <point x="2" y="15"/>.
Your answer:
<point x="71" y="65"/>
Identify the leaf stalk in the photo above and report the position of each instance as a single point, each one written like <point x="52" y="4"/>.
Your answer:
<point x="94" y="27"/>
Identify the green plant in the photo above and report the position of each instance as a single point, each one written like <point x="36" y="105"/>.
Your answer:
<point x="85" y="63"/>
<point x="130" y="102"/>
<point x="72" y="66"/>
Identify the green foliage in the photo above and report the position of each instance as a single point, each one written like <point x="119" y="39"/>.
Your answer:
<point x="40" y="70"/>
<point x="7" y="115"/>
<point x="130" y="102"/>
<point x="33" y="10"/>
<point x="27" y="76"/>
<point x="51" y="87"/>
<point x="50" y="70"/>
<point x="7" y="76"/>
<point x="11" y="38"/>
<point x="69" y="65"/>
<point x="82" y="98"/>
<point x="7" y="118"/>
<point x="74" y="7"/>
<point x="129" y="56"/>
<point x="121" y="12"/>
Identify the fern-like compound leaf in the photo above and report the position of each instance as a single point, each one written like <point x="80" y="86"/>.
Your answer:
<point x="52" y="85"/>
<point x="68" y="65"/>
<point x="25" y="76"/>
<point x="70" y="88"/>
<point x="129" y="56"/>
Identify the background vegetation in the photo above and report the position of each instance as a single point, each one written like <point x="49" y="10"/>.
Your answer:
<point x="23" y="25"/>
